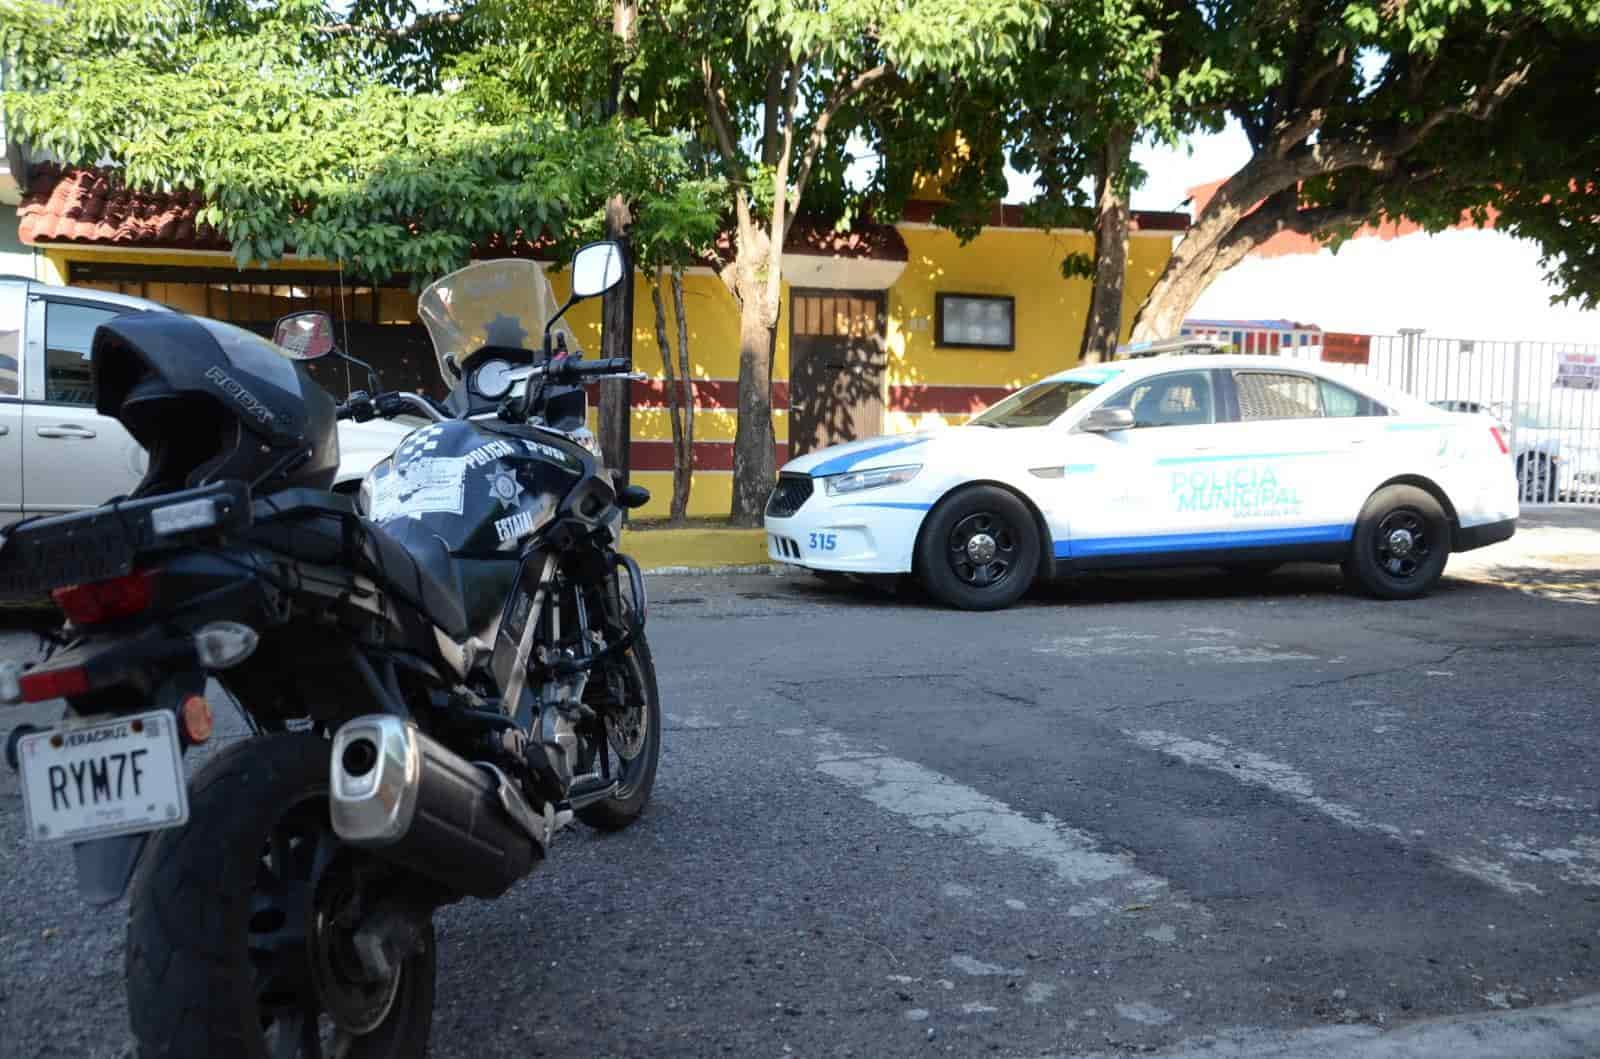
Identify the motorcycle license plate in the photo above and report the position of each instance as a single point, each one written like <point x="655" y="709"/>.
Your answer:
<point x="109" y="778"/>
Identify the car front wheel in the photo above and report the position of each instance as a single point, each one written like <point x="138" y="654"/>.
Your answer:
<point x="1401" y="543"/>
<point x="979" y="550"/>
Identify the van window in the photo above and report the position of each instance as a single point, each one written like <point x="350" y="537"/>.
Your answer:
<point x="68" y="336"/>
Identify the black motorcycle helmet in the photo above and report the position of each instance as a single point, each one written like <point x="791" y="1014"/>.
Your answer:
<point x="210" y="401"/>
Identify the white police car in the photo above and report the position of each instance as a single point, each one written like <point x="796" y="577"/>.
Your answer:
<point x="1240" y="461"/>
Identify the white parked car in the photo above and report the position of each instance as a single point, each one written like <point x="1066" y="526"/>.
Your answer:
<point x="56" y="453"/>
<point x="1240" y="461"/>
<point x="1549" y="466"/>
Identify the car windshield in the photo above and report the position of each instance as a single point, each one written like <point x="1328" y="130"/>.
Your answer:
<point x="502" y="303"/>
<point x="1038" y="405"/>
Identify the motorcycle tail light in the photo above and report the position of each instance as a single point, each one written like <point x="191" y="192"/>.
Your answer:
<point x="98" y="602"/>
<point x="54" y="684"/>
<point x="1500" y="439"/>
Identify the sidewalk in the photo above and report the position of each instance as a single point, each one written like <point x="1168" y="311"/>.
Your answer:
<point x="1555" y="554"/>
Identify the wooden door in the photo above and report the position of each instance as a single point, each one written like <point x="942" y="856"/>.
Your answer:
<point x="836" y="364"/>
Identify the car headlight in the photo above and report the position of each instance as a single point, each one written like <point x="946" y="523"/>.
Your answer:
<point x="856" y="481"/>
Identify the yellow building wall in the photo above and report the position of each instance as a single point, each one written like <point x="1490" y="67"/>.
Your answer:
<point x="1023" y="263"/>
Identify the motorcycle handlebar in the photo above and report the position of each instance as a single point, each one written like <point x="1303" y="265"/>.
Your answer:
<point x="579" y="369"/>
<point x="362" y="406"/>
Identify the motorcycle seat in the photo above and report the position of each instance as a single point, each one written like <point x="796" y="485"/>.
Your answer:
<point x="310" y="526"/>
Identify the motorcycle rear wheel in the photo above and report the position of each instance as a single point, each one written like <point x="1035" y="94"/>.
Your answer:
<point x="230" y="930"/>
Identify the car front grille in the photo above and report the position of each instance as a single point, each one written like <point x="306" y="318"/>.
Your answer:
<point x="789" y="495"/>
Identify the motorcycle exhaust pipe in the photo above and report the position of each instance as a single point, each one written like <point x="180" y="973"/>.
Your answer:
<point x="410" y="800"/>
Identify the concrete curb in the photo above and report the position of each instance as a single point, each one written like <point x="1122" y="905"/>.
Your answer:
<point x="696" y="549"/>
<point x="680" y="571"/>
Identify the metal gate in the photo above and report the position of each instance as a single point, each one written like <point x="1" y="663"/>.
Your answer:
<point x="1545" y="394"/>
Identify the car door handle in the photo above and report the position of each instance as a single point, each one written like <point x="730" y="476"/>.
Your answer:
<point x="65" y="430"/>
<point x="4" y="430"/>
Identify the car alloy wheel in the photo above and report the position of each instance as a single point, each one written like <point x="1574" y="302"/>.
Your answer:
<point x="1402" y="543"/>
<point x="983" y="549"/>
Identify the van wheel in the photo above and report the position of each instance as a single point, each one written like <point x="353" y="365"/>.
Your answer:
<point x="979" y="549"/>
<point x="1401" y="544"/>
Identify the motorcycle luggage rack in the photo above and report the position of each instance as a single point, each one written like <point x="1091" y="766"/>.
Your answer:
<point x="40" y="554"/>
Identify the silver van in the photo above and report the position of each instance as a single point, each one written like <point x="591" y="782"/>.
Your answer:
<point x="56" y="453"/>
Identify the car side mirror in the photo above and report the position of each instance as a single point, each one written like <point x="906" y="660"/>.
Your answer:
<point x="305" y="336"/>
<point x="596" y="268"/>
<point x="1106" y="420"/>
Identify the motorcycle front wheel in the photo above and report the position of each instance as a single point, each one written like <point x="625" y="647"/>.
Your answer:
<point x="240" y="924"/>
<point x="628" y="748"/>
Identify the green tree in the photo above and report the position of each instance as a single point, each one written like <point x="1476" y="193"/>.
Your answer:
<point x="771" y="91"/>
<point x="1358" y="110"/>
<point x="349" y="138"/>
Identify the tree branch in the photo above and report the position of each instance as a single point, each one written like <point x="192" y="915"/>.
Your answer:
<point x="721" y="127"/>
<point x="769" y="125"/>
<point x="819" y="131"/>
<point x="421" y="22"/>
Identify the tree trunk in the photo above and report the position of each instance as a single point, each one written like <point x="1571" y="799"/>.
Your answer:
<point x="754" y="465"/>
<point x="682" y="456"/>
<point x="1204" y="252"/>
<point x="616" y="340"/>
<point x="687" y="401"/>
<point x="1103" y="326"/>
<point x="616" y="332"/>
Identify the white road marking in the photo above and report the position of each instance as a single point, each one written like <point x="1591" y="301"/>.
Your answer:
<point x="1145" y="1014"/>
<point x="978" y="969"/>
<point x="1258" y="770"/>
<point x="1579" y="859"/>
<point x="1209" y="644"/>
<point x="1559" y="1031"/>
<point x="932" y="801"/>
<point x="1038" y="993"/>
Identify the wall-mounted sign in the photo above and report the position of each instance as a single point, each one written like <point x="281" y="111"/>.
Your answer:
<point x="1341" y="348"/>
<point x="1578" y="371"/>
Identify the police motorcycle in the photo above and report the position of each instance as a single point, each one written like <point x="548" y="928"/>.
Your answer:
<point x="439" y="675"/>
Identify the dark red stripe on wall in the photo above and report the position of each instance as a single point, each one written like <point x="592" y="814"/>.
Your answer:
<point x="708" y="393"/>
<point x="723" y="394"/>
<point x="708" y="455"/>
<point x="956" y="400"/>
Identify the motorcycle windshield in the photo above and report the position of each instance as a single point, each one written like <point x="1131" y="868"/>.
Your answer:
<point x="502" y="303"/>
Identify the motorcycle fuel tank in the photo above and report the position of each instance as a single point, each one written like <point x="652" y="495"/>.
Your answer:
<point x="479" y="492"/>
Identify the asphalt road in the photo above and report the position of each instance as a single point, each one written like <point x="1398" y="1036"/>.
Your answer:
<point x="1137" y="813"/>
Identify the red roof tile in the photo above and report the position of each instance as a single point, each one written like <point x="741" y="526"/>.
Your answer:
<point x="88" y="206"/>
<point x="921" y="211"/>
<point x="92" y="206"/>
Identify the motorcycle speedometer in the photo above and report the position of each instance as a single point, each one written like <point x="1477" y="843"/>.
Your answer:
<point x="493" y="379"/>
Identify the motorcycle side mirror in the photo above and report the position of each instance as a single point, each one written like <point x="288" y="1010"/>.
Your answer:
<point x="305" y="336"/>
<point x="596" y="268"/>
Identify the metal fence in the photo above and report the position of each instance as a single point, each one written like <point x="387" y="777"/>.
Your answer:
<point x="1545" y="394"/>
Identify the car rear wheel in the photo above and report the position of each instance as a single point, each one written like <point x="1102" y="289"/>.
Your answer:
<point x="1401" y="544"/>
<point x="1537" y="480"/>
<point x="979" y="550"/>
